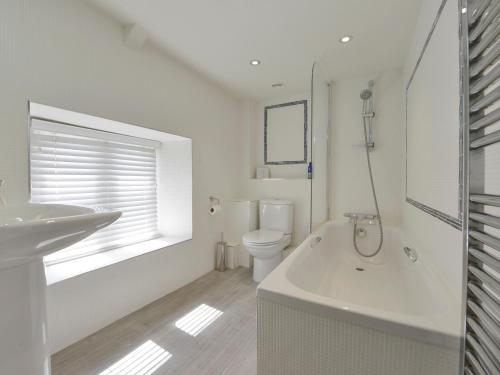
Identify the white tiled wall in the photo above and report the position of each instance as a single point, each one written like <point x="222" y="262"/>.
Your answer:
<point x="350" y="184"/>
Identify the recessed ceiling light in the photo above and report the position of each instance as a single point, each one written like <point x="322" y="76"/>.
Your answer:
<point x="464" y="10"/>
<point x="345" y="39"/>
<point x="254" y="62"/>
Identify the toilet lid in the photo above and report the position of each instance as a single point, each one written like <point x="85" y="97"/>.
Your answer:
<point x="263" y="237"/>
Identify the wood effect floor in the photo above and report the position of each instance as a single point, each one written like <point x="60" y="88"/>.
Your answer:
<point x="227" y="346"/>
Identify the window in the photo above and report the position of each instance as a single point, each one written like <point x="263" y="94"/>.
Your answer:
<point x="87" y="167"/>
<point x="81" y="159"/>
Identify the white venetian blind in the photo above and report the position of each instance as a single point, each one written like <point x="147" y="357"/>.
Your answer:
<point x="87" y="167"/>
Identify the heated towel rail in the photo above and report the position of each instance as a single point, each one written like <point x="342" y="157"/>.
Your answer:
<point x="480" y="102"/>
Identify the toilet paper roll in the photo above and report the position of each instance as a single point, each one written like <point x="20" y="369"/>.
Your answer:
<point x="214" y="209"/>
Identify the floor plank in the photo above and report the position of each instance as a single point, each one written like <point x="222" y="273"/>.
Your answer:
<point x="225" y="347"/>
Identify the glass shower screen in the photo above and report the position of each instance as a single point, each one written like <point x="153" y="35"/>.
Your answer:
<point x="320" y="149"/>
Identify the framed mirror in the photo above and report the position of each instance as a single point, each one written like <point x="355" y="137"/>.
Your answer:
<point x="433" y="123"/>
<point x="285" y="133"/>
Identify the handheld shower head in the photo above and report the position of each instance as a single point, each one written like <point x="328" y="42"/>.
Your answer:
<point x="366" y="94"/>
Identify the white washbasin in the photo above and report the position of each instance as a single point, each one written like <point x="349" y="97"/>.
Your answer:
<point x="31" y="229"/>
<point x="27" y="233"/>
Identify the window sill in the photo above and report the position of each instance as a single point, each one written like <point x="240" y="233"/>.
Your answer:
<point x="62" y="271"/>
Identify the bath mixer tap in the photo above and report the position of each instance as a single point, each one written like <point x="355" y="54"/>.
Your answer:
<point x="355" y="217"/>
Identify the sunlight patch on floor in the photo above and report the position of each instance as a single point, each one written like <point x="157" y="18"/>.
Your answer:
<point x="197" y="320"/>
<point x="143" y="360"/>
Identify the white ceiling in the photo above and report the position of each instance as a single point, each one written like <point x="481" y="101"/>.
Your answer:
<point x="218" y="38"/>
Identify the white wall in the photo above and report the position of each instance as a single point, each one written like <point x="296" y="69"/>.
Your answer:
<point x="66" y="54"/>
<point x="350" y="183"/>
<point x="439" y="243"/>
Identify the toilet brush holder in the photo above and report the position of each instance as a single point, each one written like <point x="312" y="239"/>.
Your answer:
<point x="220" y="256"/>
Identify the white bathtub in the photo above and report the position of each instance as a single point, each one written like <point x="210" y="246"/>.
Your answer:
<point x="326" y="310"/>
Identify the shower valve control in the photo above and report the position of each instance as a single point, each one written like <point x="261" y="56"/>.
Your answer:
<point x="355" y="217"/>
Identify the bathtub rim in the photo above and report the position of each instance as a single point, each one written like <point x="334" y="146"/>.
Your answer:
<point x="437" y="329"/>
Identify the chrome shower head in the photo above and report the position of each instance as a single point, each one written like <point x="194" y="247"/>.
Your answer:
<point x="366" y="94"/>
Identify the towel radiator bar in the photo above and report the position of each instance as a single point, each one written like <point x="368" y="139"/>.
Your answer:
<point x="480" y="111"/>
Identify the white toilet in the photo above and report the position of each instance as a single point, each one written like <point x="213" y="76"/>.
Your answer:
<point x="266" y="245"/>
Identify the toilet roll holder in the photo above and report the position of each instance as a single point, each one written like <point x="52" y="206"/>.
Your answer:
<point x="214" y="205"/>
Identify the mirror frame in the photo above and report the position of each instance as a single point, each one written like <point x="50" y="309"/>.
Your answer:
<point x="455" y="222"/>
<point x="284" y="162"/>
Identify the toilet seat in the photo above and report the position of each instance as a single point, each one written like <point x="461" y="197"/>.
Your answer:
<point x="266" y="247"/>
<point x="263" y="237"/>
